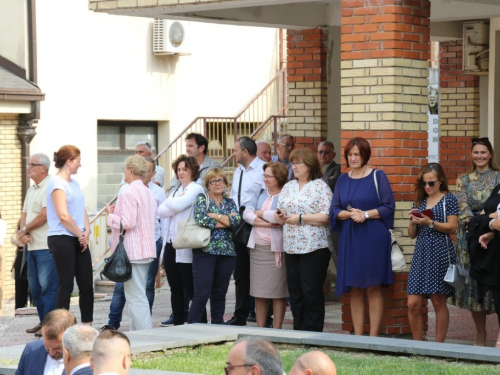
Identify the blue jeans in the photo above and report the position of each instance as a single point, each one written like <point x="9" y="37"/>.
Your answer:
<point x="118" y="300"/>
<point x="43" y="281"/>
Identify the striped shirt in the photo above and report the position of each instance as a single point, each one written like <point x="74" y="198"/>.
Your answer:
<point x="136" y="209"/>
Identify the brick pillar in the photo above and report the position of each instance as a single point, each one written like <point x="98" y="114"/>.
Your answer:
<point x="307" y="82"/>
<point x="384" y="68"/>
<point x="459" y="111"/>
<point x="11" y="197"/>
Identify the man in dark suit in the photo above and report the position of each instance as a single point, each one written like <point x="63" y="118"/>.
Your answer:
<point x="46" y="355"/>
<point x="331" y="172"/>
<point x="77" y="349"/>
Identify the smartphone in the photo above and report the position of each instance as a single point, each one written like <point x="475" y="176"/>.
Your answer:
<point x="427" y="213"/>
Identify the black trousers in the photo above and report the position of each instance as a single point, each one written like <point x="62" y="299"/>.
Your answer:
<point x="241" y="276"/>
<point x="72" y="263"/>
<point x="21" y="280"/>
<point x="306" y="274"/>
<point x="179" y="277"/>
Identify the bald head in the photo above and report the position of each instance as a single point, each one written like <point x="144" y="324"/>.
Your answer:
<point x="314" y="363"/>
<point x="264" y="150"/>
<point x="111" y="353"/>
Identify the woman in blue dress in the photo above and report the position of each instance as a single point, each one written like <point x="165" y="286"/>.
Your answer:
<point x="363" y="212"/>
<point x="433" y="251"/>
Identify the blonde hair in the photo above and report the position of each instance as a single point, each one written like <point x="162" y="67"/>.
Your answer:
<point x="212" y="173"/>
<point x="138" y="164"/>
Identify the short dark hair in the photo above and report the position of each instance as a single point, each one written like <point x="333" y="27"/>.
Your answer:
<point x="247" y="143"/>
<point x="365" y="150"/>
<point x="191" y="164"/>
<point x="56" y="322"/>
<point x="199" y="139"/>
<point x="308" y="157"/>
<point x="280" y="172"/>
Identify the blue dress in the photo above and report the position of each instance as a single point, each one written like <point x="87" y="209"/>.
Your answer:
<point x="364" y="253"/>
<point x="432" y="255"/>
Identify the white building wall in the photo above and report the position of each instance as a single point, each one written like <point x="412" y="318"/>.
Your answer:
<point x="95" y="66"/>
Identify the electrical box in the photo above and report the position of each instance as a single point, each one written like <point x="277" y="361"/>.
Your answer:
<point x="476" y="47"/>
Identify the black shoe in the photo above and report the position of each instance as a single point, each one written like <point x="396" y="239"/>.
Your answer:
<point x="169" y="322"/>
<point x="251" y="317"/>
<point x="234" y="321"/>
<point x="269" y="323"/>
<point x="108" y="327"/>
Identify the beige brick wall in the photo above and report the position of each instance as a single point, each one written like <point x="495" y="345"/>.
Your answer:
<point x="10" y="201"/>
<point x="459" y="111"/>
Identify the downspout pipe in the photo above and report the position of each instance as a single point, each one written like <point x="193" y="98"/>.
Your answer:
<point x="25" y="129"/>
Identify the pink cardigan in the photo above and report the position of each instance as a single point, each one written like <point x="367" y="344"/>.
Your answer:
<point x="136" y="209"/>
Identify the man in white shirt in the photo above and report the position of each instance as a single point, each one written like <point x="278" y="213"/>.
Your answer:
<point x="197" y="147"/>
<point x="247" y="181"/>
<point x="111" y="354"/>
<point x="47" y="354"/>
<point x="42" y="275"/>
<point x="77" y="349"/>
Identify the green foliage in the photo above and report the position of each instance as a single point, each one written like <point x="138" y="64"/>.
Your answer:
<point x="211" y="359"/>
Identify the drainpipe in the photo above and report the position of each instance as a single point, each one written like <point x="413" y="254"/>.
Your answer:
<point x="25" y="129"/>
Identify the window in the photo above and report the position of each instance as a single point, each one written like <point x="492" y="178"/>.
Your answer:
<point x="115" y="141"/>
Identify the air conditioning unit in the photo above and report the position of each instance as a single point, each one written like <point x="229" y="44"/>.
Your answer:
<point x="171" y="37"/>
<point x="476" y="47"/>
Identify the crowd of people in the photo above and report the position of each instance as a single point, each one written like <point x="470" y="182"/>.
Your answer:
<point x="302" y="211"/>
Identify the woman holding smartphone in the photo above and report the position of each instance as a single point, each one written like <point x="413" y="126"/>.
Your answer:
<point x="433" y="250"/>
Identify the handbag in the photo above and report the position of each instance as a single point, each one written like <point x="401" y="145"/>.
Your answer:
<point x="190" y="235"/>
<point x="241" y="233"/>
<point x="118" y="267"/>
<point x="455" y="274"/>
<point x="397" y="258"/>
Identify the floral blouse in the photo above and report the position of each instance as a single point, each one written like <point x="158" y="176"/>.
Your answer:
<point x="315" y="197"/>
<point x="221" y="239"/>
<point x="472" y="191"/>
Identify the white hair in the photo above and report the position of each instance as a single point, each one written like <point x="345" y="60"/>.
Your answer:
<point x="79" y="340"/>
<point x="42" y="159"/>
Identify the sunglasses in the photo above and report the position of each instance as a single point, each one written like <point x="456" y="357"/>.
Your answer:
<point x="321" y="152"/>
<point x="430" y="183"/>
<point x="477" y="140"/>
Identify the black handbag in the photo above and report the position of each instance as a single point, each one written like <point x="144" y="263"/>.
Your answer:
<point x="118" y="267"/>
<point x="241" y="233"/>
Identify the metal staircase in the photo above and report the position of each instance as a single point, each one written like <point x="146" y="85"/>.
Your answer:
<point x="263" y="118"/>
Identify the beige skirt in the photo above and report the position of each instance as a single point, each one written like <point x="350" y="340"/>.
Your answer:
<point x="267" y="280"/>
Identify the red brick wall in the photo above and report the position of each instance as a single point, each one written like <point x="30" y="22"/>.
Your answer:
<point x="459" y="111"/>
<point x="307" y="53"/>
<point x="373" y="29"/>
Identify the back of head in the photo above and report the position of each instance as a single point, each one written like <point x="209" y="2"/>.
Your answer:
<point x="138" y="165"/>
<point x="79" y="340"/>
<point x="56" y="322"/>
<point x="262" y="353"/>
<point x="314" y="363"/>
<point x="111" y="353"/>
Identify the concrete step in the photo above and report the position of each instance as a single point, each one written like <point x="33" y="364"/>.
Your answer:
<point x="104" y="286"/>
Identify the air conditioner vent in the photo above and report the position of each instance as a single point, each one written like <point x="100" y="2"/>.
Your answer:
<point x="171" y="37"/>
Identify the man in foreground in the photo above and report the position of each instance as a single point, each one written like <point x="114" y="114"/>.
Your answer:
<point x="77" y="349"/>
<point x="111" y="353"/>
<point x="313" y="363"/>
<point x="45" y="357"/>
<point x="255" y="356"/>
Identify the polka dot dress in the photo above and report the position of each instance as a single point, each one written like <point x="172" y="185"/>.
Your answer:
<point x="430" y="260"/>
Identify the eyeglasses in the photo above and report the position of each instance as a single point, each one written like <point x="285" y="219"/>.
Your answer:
<point x="296" y="162"/>
<point x="430" y="183"/>
<point x="31" y="165"/>
<point x="287" y="145"/>
<point x="219" y="181"/>
<point x="267" y="177"/>
<point x="477" y="140"/>
<point x="230" y="367"/>
<point x="321" y="152"/>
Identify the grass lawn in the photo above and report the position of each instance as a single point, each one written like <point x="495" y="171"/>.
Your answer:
<point x="211" y="359"/>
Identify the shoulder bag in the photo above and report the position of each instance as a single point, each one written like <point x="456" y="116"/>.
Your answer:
<point x="190" y="235"/>
<point x="118" y="267"/>
<point x="455" y="274"/>
<point x="241" y="234"/>
<point x="397" y="257"/>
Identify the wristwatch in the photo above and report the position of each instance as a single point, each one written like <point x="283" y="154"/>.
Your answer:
<point x="431" y="225"/>
<point x="367" y="215"/>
